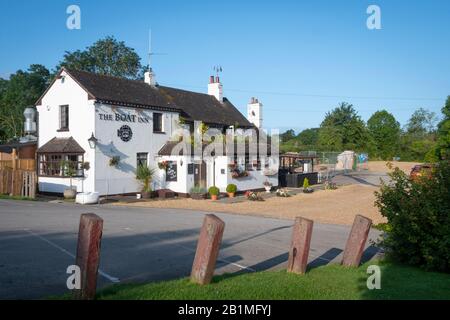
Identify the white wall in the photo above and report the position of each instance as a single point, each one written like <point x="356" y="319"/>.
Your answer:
<point x="255" y="179"/>
<point x="184" y="181"/>
<point x="121" y="179"/>
<point x="81" y="125"/>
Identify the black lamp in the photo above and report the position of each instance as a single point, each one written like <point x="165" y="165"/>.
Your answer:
<point x="92" y="141"/>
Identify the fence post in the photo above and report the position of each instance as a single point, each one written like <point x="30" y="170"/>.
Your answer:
<point x="356" y="241"/>
<point x="88" y="254"/>
<point x="208" y="247"/>
<point x="300" y="244"/>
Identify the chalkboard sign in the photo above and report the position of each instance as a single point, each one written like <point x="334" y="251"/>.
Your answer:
<point x="190" y="168"/>
<point x="171" y="171"/>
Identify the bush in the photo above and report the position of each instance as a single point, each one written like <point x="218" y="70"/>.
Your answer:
<point x="253" y="196"/>
<point x="145" y="175"/>
<point x="213" y="191"/>
<point x="418" y="214"/>
<point x="198" y="189"/>
<point x="231" y="188"/>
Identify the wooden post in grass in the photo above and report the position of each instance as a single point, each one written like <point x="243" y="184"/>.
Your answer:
<point x="301" y="241"/>
<point x="356" y="241"/>
<point x="88" y="254"/>
<point x="208" y="247"/>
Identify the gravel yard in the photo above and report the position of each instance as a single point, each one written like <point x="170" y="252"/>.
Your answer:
<point x="326" y="206"/>
<point x="337" y="206"/>
<point x="380" y="166"/>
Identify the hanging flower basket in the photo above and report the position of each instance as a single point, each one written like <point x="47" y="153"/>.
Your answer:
<point x="162" y="165"/>
<point x="114" y="161"/>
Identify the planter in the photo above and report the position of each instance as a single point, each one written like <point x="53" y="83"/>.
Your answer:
<point x="231" y="194"/>
<point x="308" y="190"/>
<point x="87" y="198"/>
<point x="214" y="197"/>
<point x="268" y="188"/>
<point x="146" y="194"/>
<point x="198" y="196"/>
<point x="70" y="193"/>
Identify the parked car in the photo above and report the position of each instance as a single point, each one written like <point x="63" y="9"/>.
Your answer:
<point x="420" y="170"/>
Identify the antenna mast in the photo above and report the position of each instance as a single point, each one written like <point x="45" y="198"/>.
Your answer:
<point x="150" y="50"/>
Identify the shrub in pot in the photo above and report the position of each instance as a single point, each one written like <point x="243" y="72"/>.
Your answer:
<point x="214" y="192"/>
<point x="197" y="193"/>
<point x="231" y="190"/>
<point x="145" y="175"/>
<point x="69" y="171"/>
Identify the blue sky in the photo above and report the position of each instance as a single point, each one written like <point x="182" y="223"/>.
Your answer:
<point x="300" y="58"/>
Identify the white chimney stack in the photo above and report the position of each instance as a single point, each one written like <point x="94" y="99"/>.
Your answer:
<point x="254" y="112"/>
<point x="215" y="88"/>
<point x="150" y="78"/>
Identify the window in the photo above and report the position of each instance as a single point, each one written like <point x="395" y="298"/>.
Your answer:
<point x="64" y="117"/>
<point x="157" y="122"/>
<point x="61" y="165"/>
<point x="141" y="159"/>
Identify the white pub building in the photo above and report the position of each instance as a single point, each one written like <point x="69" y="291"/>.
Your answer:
<point x="104" y="127"/>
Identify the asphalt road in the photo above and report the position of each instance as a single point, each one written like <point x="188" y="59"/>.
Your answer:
<point x="38" y="243"/>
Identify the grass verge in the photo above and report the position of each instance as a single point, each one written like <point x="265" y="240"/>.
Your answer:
<point x="326" y="282"/>
<point x="7" y="197"/>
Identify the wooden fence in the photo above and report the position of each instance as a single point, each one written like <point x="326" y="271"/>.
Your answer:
<point x="18" y="183"/>
<point x="20" y="164"/>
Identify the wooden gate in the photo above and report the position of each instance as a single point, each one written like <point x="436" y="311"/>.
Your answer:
<point x="18" y="183"/>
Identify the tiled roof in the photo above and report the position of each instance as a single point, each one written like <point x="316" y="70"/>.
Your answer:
<point x="191" y="105"/>
<point x="61" y="145"/>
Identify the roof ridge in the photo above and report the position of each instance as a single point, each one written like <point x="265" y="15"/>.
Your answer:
<point x="104" y="75"/>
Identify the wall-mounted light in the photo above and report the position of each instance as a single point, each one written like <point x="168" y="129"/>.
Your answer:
<point x="92" y="141"/>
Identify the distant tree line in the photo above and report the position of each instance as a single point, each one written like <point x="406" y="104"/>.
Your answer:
<point x="382" y="137"/>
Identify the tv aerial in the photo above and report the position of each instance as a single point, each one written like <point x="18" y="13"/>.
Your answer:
<point x="217" y="69"/>
<point x="150" y="52"/>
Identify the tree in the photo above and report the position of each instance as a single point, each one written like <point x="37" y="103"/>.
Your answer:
<point x="418" y="141"/>
<point x="288" y="135"/>
<point x="421" y="123"/>
<point x="330" y="139"/>
<point x="21" y="90"/>
<point x="343" y="128"/>
<point x="309" y="137"/>
<point x="442" y="150"/>
<point x="106" y="56"/>
<point x="385" y="133"/>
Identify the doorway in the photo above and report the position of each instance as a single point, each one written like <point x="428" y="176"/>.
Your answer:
<point x="200" y="174"/>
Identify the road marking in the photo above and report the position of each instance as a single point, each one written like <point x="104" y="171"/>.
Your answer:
<point x="101" y="272"/>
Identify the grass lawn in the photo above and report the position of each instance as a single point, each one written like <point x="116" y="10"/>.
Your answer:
<point x="7" y="197"/>
<point x="326" y="282"/>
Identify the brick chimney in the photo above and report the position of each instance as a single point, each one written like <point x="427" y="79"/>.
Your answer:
<point x="215" y="88"/>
